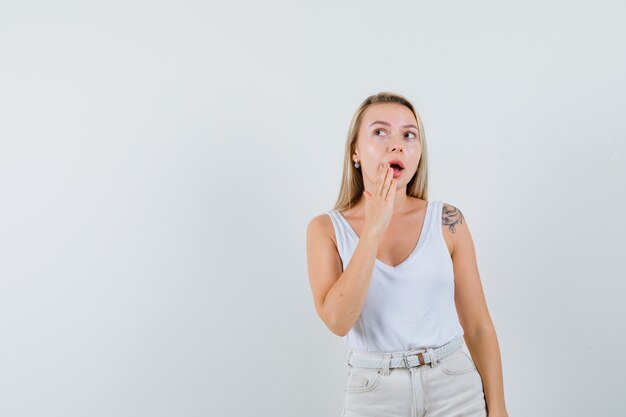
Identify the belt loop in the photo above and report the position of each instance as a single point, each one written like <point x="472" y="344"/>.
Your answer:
<point x="386" y="363"/>
<point x="433" y="357"/>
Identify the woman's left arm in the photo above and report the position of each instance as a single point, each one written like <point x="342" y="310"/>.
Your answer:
<point x="479" y="331"/>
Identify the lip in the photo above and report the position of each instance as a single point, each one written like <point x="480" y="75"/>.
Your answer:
<point x="396" y="161"/>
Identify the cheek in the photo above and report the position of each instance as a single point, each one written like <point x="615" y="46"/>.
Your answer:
<point x="370" y="172"/>
<point x="416" y="157"/>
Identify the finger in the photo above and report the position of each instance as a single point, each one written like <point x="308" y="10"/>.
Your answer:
<point x="388" y="178"/>
<point x="391" y="192"/>
<point x="380" y="179"/>
<point x="382" y="189"/>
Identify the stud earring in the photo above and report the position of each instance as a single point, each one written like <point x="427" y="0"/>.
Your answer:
<point x="357" y="165"/>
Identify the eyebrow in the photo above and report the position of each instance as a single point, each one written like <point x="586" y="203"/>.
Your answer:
<point x="385" y="123"/>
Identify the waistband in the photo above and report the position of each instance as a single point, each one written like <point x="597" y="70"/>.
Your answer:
<point x="403" y="359"/>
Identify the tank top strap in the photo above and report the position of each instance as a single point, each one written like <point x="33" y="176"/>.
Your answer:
<point x="437" y="226"/>
<point x="343" y="236"/>
<point x="435" y="215"/>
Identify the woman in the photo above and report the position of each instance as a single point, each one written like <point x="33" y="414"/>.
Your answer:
<point x="396" y="275"/>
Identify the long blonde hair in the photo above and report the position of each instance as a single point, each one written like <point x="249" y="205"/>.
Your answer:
<point x="352" y="181"/>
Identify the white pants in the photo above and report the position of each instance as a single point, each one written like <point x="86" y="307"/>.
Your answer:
<point x="451" y="387"/>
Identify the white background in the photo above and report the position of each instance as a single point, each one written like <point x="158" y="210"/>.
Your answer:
<point x="160" y="161"/>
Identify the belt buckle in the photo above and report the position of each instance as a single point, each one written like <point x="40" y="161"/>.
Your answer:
<point x="420" y="358"/>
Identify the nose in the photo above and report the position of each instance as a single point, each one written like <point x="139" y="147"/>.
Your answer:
<point x="395" y="145"/>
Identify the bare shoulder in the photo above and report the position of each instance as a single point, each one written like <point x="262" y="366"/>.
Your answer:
<point x="321" y="226"/>
<point x="452" y="217"/>
<point x="454" y="225"/>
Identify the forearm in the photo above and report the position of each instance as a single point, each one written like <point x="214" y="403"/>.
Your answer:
<point x="344" y="301"/>
<point x="485" y="352"/>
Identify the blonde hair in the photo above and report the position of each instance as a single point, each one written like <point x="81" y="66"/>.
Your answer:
<point x="352" y="181"/>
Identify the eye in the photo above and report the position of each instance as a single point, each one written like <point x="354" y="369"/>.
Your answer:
<point x="378" y="130"/>
<point x="411" y="133"/>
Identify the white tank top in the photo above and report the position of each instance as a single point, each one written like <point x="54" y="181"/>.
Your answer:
<point x="411" y="305"/>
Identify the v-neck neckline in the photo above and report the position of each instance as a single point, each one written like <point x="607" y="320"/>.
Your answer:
<point x="416" y="249"/>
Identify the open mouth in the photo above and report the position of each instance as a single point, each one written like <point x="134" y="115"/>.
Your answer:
<point x="397" y="165"/>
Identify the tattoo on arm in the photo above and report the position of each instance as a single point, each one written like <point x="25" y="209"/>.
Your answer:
<point x="451" y="217"/>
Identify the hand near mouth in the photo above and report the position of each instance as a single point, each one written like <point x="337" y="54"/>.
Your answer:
<point x="379" y="205"/>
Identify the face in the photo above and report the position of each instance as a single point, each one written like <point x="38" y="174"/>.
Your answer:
<point x="388" y="131"/>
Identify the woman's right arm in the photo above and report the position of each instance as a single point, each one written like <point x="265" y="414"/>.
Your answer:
<point x="339" y="297"/>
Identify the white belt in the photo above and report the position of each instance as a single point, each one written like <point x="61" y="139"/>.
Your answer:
<point x="408" y="358"/>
